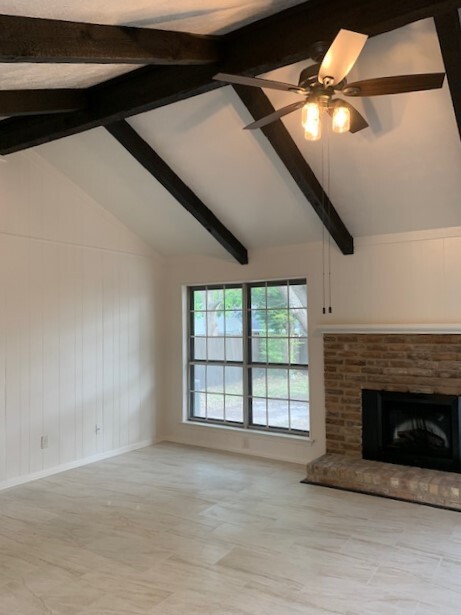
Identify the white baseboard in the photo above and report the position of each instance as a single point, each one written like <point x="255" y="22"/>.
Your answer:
<point x="288" y="458"/>
<point x="27" y="478"/>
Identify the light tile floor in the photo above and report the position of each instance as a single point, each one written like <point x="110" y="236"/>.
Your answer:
<point x="171" y="530"/>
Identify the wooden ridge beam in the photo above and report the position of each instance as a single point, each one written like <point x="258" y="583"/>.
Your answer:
<point x="449" y="33"/>
<point x="137" y="92"/>
<point x="32" y="102"/>
<point x="159" y="169"/>
<point x="29" y="39"/>
<point x="265" y="45"/>
<point x="286" y="37"/>
<point x="286" y="149"/>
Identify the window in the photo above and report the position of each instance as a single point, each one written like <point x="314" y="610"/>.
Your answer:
<point x="248" y="356"/>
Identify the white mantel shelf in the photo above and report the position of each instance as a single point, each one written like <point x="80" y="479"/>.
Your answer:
<point x="425" y="329"/>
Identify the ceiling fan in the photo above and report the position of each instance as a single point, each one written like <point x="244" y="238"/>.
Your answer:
<point x="319" y="84"/>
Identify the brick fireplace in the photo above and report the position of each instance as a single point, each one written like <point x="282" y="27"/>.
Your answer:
<point x="388" y="362"/>
<point x="415" y="363"/>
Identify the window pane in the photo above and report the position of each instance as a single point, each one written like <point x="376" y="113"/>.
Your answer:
<point x="215" y="324"/>
<point x="234" y="349"/>
<point x="198" y="378"/>
<point x="199" y="323"/>
<point x="277" y="323"/>
<point x="259" y="415"/>
<point x="258" y="382"/>
<point x="277" y="383"/>
<point x="299" y="385"/>
<point x="277" y="296"/>
<point x="198" y="405"/>
<point x="299" y="350"/>
<point x="199" y="344"/>
<point x="233" y="299"/>
<point x="258" y="297"/>
<point x="277" y="350"/>
<point x="259" y="349"/>
<point x="259" y="322"/>
<point x="215" y="299"/>
<point x="215" y="407"/>
<point x="278" y="413"/>
<point x="298" y="323"/>
<point x="216" y="349"/>
<point x="234" y="380"/>
<point x="299" y="415"/>
<point x="199" y="300"/>
<point x="234" y="324"/>
<point x="215" y="379"/>
<point x="234" y="408"/>
<point x="298" y="295"/>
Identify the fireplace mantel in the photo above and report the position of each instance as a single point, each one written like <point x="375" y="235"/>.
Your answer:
<point x="391" y="328"/>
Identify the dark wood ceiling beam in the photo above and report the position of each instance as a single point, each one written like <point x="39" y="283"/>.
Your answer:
<point x="286" y="149"/>
<point x="265" y="45"/>
<point x="159" y="169"/>
<point x="140" y="91"/>
<point x="449" y="33"/>
<point x="285" y="38"/>
<point x="32" y="102"/>
<point x="29" y="39"/>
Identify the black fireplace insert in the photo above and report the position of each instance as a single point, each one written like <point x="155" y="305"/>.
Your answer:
<point x="412" y="429"/>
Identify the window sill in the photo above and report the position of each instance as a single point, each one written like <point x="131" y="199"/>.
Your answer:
<point x="251" y="432"/>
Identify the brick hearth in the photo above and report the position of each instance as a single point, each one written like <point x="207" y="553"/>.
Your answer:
<point x="393" y="481"/>
<point x="416" y="363"/>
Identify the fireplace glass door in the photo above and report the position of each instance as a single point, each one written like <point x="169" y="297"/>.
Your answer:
<point x="424" y="429"/>
<point x="412" y="429"/>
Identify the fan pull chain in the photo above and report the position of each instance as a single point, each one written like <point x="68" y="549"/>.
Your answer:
<point x="324" y="310"/>
<point x="330" y="309"/>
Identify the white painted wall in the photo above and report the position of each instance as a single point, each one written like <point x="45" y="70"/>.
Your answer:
<point x="406" y="279"/>
<point x="80" y="326"/>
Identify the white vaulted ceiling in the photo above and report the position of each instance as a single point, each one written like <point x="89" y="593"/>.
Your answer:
<point x="401" y="174"/>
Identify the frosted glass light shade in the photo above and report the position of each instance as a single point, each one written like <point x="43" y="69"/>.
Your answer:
<point x="341" y="119"/>
<point x="311" y="121"/>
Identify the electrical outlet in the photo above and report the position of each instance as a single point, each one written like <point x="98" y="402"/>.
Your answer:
<point x="44" y="442"/>
<point x="98" y="429"/>
<point x="245" y="443"/>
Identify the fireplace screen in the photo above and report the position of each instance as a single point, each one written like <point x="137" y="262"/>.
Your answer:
<point x="421" y="430"/>
<point x="412" y="429"/>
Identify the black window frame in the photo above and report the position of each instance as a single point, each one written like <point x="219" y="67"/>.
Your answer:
<point x="247" y="364"/>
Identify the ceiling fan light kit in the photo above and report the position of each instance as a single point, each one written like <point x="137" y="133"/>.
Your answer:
<point x="320" y="83"/>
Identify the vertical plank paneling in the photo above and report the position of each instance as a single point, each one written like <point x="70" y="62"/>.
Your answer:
<point x="89" y="353"/>
<point x="116" y="387"/>
<point x="13" y="360"/>
<point x="67" y="410"/>
<point x="78" y="297"/>
<point x="134" y="335"/>
<point x="98" y="295"/>
<point x="108" y="352"/>
<point x="3" y="268"/>
<point x="36" y="361"/>
<point x="23" y="339"/>
<point x="51" y="370"/>
<point x="124" y="352"/>
<point x="75" y="324"/>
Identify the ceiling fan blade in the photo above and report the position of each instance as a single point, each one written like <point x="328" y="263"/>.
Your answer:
<point x="395" y="85"/>
<point x="358" y="122"/>
<point x="272" y="117"/>
<point x="342" y="55"/>
<point x="259" y="83"/>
